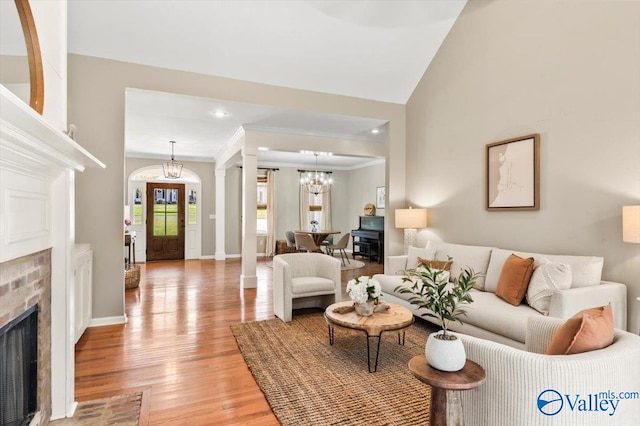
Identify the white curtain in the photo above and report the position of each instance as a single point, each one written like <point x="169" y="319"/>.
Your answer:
<point x="304" y="209"/>
<point x="270" y="247"/>
<point x="326" y="209"/>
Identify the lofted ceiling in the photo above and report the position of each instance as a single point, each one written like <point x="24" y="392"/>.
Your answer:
<point x="375" y="50"/>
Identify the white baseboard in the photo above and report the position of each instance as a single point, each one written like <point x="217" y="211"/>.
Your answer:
<point x="72" y="409"/>
<point x="208" y="257"/>
<point x="99" y="322"/>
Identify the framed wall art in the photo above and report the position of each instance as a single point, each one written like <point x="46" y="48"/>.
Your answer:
<point x="380" y="195"/>
<point x="513" y="174"/>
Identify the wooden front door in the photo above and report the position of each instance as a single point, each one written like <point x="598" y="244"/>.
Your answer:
<point x="165" y="221"/>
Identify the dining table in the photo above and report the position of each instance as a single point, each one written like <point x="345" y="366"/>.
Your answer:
<point x="319" y="236"/>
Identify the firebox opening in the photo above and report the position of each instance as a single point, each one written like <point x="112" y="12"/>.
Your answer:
<point x="19" y="369"/>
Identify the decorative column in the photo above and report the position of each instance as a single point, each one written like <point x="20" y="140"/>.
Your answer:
<point x="249" y="279"/>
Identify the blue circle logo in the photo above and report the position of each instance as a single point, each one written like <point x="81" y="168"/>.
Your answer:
<point x="550" y="402"/>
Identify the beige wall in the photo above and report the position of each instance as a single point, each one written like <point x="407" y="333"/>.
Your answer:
<point x="96" y="106"/>
<point x="205" y="172"/>
<point x="362" y="190"/>
<point x="567" y="70"/>
<point x="233" y="211"/>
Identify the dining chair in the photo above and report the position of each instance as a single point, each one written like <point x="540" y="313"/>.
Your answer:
<point x="326" y="243"/>
<point x="304" y="242"/>
<point x="291" y="239"/>
<point x="340" y="246"/>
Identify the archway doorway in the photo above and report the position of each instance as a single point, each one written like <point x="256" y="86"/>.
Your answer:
<point x="139" y="206"/>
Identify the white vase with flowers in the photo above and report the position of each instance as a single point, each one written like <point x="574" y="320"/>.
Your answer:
<point x="364" y="291"/>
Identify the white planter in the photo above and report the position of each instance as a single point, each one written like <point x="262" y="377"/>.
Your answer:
<point x="364" y="309"/>
<point x="445" y="355"/>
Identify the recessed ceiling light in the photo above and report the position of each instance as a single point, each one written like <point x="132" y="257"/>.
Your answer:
<point x="375" y="131"/>
<point x="219" y="114"/>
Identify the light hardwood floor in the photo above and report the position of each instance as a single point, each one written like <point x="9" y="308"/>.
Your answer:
<point x="178" y="343"/>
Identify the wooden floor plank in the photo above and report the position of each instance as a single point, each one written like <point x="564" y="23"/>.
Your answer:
<point x="178" y="343"/>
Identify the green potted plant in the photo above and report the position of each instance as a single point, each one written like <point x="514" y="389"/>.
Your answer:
<point x="443" y="300"/>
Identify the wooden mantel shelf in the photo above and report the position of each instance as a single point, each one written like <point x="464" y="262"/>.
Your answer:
<point x="28" y="141"/>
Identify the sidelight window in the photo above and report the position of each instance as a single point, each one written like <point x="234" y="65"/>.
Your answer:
<point x="137" y="207"/>
<point x="193" y="207"/>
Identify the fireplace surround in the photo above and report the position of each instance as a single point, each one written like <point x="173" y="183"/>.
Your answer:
<point x="37" y="179"/>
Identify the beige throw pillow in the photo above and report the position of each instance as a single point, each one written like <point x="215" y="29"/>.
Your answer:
<point x="547" y="278"/>
<point x="435" y="264"/>
<point x="414" y="253"/>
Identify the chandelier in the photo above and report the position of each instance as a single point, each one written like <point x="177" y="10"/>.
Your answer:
<point x="314" y="181"/>
<point x="172" y="169"/>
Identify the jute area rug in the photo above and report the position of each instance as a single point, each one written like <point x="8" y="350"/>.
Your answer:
<point x="307" y="381"/>
<point x="122" y="410"/>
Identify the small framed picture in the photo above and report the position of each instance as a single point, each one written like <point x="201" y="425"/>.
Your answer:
<point x="380" y="196"/>
<point x="513" y="174"/>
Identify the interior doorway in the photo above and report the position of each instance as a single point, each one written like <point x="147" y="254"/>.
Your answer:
<point x="165" y="221"/>
<point x="137" y="203"/>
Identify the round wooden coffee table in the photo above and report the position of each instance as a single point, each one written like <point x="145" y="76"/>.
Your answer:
<point x="395" y="318"/>
<point x="446" y="407"/>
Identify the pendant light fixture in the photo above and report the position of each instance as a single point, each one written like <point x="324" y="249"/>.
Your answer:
<point x="315" y="182"/>
<point x="172" y="169"/>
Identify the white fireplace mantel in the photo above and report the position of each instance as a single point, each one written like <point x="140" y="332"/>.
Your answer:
<point x="37" y="171"/>
<point x="30" y="143"/>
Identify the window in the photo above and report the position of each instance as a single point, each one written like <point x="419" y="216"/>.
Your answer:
<point x="137" y="206"/>
<point x="165" y="212"/>
<point x="193" y="208"/>
<point x="315" y="210"/>
<point x="261" y="225"/>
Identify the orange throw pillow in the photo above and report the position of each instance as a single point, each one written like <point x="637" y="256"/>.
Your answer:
<point x="514" y="279"/>
<point x="444" y="265"/>
<point x="586" y="331"/>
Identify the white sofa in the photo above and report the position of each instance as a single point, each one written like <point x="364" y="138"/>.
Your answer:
<point x="490" y="317"/>
<point x="516" y="379"/>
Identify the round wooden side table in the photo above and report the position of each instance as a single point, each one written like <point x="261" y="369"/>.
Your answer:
<point x="446" y="407"/>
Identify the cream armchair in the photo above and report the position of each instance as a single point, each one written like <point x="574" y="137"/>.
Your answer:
<point x="304" y="280"/>
<point x="519" y="382"/>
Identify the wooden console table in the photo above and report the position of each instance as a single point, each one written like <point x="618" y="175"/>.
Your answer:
<point x="446" y="407"/>
<point x="130" y="242"/>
